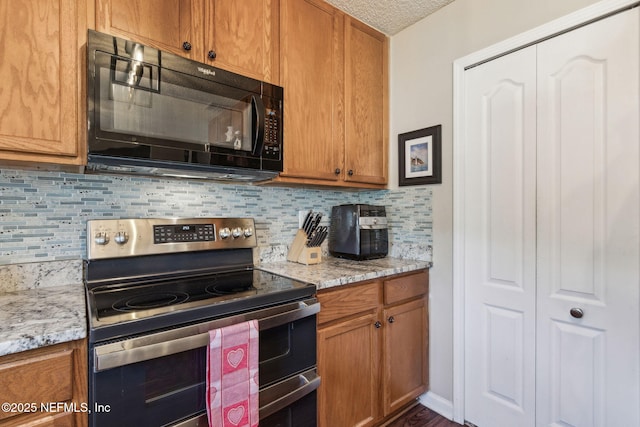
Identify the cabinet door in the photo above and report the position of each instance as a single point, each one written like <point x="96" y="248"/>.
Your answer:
<point x="39" y="69"/>
<point x="406" y="341"/>
<point x="45" y="376"/>
<point x="243" y="37"/>
<point x="312" y="46"/>
<point x="349" y="368"/>
<point x="366" y="102"/>
<point x="163" y="24"/>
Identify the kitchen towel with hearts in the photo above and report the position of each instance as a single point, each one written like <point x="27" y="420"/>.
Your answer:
<point x="232" y="376"/>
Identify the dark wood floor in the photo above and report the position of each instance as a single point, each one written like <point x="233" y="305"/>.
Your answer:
<point x="421" y="416"/>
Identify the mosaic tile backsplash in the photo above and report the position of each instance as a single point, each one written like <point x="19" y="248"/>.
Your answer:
<point x="43" y="214"/>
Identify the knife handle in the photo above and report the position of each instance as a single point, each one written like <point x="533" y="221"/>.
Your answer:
<point x="307" y="221"/>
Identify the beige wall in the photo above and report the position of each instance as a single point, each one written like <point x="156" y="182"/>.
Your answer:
<point x="421" y="96"/>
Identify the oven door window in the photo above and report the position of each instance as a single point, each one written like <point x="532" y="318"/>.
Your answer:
<point x="154" y="392"/>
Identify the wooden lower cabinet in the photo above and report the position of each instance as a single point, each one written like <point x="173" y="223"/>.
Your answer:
<point x="405" y="339"/>
<point x="349" y="364"/>
<point x="372" y="349"/>
<point x="45" y="386"/>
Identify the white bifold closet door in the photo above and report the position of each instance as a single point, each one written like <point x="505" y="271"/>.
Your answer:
<point x="500" y="241"/>
<point x="589" y="226"/>
<point x="552" y="231"/>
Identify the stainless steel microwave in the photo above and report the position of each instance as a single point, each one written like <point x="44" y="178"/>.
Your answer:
<point x="153" y="112"/>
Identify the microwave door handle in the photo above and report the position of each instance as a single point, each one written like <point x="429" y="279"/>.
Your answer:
<point x="258" y="132"/>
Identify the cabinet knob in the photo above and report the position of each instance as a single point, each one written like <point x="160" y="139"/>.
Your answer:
<point x="212" y="54"/>
<point x="186" y="46"/>
<point x="337" y="171"/>
<point x="378" y="325"/>
<point x="391" y="319"/>
<point x="576" y="312"/>
<point x="350" y="172"/>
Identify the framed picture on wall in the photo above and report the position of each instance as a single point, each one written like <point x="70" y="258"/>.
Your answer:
<point x="420" y="156"/>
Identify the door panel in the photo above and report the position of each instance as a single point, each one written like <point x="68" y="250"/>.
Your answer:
<point x="243" y="34"/>
<point x="366" y="53"/>
<point x="504" y="371"/>
<point x="576" y="367"/>
<point x="39" y="68"/>
<point x="165" y="25"/>
<point x="589" y="225"/>
<point x="349" y="368"/>
<point x="406" y="341"/>
<point x="500" y="241"/>
<point x="313" y="76"/>
<point x="576" y="92"/>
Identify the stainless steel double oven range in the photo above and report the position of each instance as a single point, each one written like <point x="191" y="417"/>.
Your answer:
<point x="155" y="287"/>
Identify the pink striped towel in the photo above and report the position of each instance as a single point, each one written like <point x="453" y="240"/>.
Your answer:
<point x="232" y="376"/>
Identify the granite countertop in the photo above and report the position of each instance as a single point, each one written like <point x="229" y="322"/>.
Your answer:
<point x="44" y="303"/>
<point x="335" y="271"/>
<point x="41" y="304"/>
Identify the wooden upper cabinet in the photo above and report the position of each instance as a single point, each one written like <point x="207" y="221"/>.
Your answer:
<point x="173" y="26"/>
<point x="366" y="95"/>
<point x="312" y="49"/>
<point x="334" y="73"/>
<point x="244" y="37"/>
<point x="41" y="94"/>
<point x="239" y="36"/>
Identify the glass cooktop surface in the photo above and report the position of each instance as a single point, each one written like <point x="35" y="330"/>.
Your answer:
<point x="139" y="306"/>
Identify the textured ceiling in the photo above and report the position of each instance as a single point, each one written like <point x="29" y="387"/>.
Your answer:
<point x="389" y="16"/>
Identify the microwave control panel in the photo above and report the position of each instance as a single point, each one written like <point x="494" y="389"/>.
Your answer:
<point x="272" y="148"/>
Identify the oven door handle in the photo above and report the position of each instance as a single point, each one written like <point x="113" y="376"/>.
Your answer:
<point x="160" y="344"/>
<point x="283" y="394"/>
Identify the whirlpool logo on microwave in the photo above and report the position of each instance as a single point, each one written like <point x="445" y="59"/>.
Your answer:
<point x="206" y="71"/>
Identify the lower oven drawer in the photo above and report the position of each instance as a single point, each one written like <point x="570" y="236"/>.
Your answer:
<point x="301" y="413"/>
<point x="291" y="403"/>
<point x="170" y="388"/>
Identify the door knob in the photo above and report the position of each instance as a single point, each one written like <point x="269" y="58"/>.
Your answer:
<point x="576" y="312"/>
<point x="378" y="325"/>
<point x="391" y="319"/>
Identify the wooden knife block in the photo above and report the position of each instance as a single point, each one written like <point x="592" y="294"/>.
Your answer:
<point x="300" y="253"/>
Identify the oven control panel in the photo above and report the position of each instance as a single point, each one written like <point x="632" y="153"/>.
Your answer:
<point x="117" y="238"/>
<point x="183" y="233"/>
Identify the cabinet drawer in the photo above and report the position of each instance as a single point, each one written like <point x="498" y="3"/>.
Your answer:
<point x="348" y="301"/>
<point x="405" y="287"/>
<point x="39" y="379"/>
